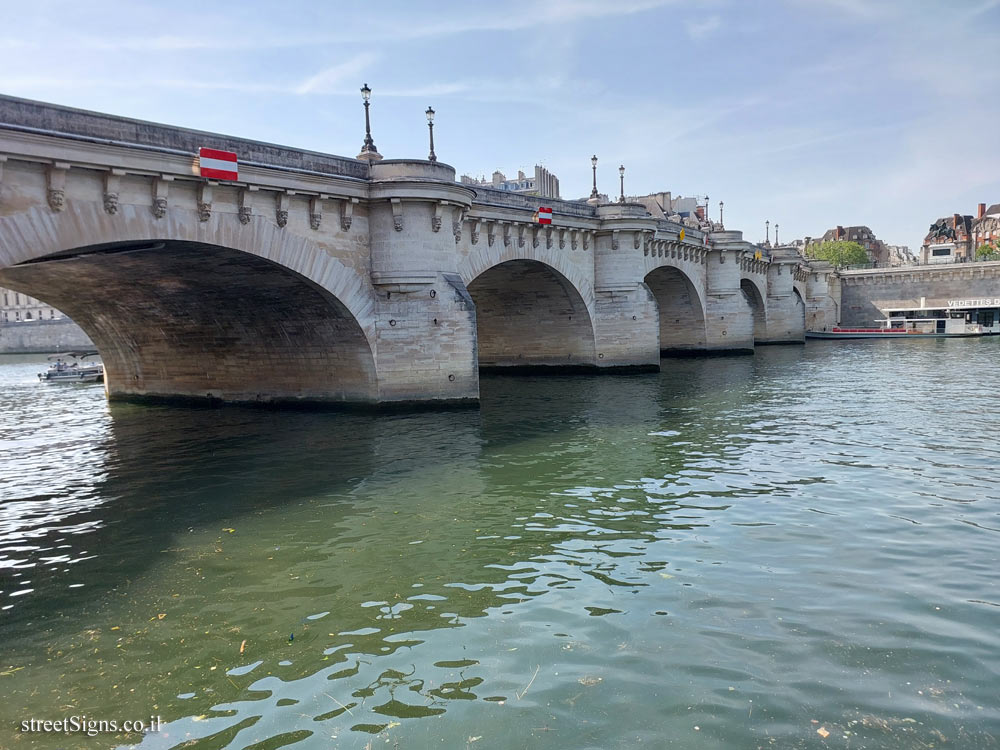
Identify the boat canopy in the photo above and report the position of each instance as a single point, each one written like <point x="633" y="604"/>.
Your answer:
<point x="82" y="354"/>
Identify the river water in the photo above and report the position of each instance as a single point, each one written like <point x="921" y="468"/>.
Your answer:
<point x="793" y="549"/>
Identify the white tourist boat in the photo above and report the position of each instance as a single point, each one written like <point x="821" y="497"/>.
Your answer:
<point x="79" y="371"/>
<point x="958" y="319"/>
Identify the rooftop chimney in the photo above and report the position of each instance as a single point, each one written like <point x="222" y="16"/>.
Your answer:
<point x="840" y="232"/>
<point x="982" y="211"/>
<point x="956" y="220"/>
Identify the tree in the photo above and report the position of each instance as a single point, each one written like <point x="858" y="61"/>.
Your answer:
<point x="839" y="253"/>
<point x="988" y="251"/>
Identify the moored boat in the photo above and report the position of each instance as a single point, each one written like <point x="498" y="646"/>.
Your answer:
<point x="960" y="319"/>
<point x="79" y="371"/>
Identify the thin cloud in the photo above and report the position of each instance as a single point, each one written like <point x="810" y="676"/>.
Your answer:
<point x="701" y="28"/>
<point x="331" y="78"/>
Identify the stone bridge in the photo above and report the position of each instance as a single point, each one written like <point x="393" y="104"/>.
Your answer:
<point x="328" y="279"/>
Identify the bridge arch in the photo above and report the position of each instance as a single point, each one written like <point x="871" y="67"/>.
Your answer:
<point x="530" y="313"/>
<point x="681" y="311"/>
<point x="755" y="299"/>
<point x="184" y="308"/>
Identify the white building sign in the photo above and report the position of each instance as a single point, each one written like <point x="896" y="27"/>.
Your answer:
<point x="988" y="302"/>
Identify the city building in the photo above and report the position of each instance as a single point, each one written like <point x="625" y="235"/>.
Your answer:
<point x="16" y="307"/>
<point x="544" y="184"/>
<point x="986" y="227"/>
<point x="949" y="240"/>
<point x="878" y="251"/>
<point x="900" y="255"/>
<point x="692" y="211"/>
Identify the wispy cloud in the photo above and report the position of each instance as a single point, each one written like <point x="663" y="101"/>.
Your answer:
<point x="702" y="27"/>
<point x="472" y="19"/>
<point x="859" y="9"/>
<point x="332" y="78"/>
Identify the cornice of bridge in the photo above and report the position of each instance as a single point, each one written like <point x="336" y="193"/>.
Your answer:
<point x="70" y="152"/>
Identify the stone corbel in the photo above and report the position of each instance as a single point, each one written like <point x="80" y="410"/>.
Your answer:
<point x="548" y="237"/>
<point x="520" y="235"/>
<point x="534" y="236"/>
<point x="397" y="213"/>
<point x="722" y="257"/>
<point x="281" y="209"/>
<point x="491" y="233"/>
<point x="573" y="239"/>
<point x="436" y="216"/>
<point x="205" y="201"/>
<point x="456" y="225"/>
<point x="347" y="213"/>
<point x="636" y="240"/>
<point x="316" y="211"/>
<point x="586" y="240"/>
<point x="246" y="204"/>
<point x="506" y="235"/>
<point x="161" y="186"/>
<point x="614" y="240"/>
<point x="112" y="188"/>
<point x="562" y="239"/>
<point x="56" y="179"/>
<point x="477" y="225"/>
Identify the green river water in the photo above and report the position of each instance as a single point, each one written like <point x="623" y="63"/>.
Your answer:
<point x="793" y="549"/>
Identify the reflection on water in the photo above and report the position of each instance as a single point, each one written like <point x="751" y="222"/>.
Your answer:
<point x="733" y="553"/>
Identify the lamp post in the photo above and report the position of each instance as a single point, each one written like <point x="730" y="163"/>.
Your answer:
<point x="368" y="150"/>
<point x="767" y="231"/>
<point x="621" y="175"/>
<point x="593" y="192"/>
<point x="776" y="234"/>
<point x="430" y="127"/>
<point x="721" y="204"/>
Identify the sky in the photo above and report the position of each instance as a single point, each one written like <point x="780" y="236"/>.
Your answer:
<point x="804" y="113"/>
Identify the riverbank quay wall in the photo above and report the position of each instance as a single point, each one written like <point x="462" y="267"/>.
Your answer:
<point x="321" y="278"/>
<point x="42" y="337"/>
<point x="865" y="293"/>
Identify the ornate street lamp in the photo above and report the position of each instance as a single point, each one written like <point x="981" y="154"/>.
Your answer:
<point x="593" y="192"/>
<point x="368" y="150"/>
<point x="775" y="234"/>
<point x="430" y="127"/>
<point x="721" y="204"/>
<point x="621" y="174"/>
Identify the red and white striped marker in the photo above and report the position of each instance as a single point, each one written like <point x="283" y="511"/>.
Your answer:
<point x="217" y="165"/>
<point x="544" y="215"/>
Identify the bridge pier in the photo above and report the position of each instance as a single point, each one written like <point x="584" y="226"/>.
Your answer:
<point x="785" y="309"/>
<point x="728" y="316"/>
<point x="626" y="321"/>
<point x="822" y="310"/>
<point x="424" y="318"/>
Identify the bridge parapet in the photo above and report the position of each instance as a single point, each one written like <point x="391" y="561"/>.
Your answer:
<point x="97" y="129"/>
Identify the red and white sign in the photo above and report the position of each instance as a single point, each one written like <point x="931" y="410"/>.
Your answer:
<point x="544" y="215"/>
<point x="217" y="165"/>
